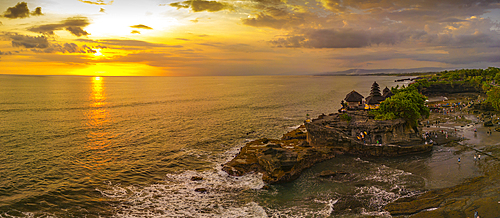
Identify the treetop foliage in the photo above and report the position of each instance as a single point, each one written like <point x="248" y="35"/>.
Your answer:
<point x="486" y="79"/>
<point x="406" y="103"/>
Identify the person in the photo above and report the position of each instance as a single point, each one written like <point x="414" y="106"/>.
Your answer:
<point x="475" y="157"/>
<point x="458" y="160"/>
<point x="476" y="215"/>
<point x="479" y="157"/>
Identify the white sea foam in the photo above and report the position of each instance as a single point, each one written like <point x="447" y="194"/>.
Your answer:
<point x="176" y="197"/>
<point x="387" y="175"/>
<point x="325" y="209"/>
<point x="378" y="196"/>
<point x="362" y="161"/>
<point x="294" y="127"/>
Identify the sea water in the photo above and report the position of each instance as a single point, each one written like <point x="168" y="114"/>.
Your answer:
<point x="129" y="146"/>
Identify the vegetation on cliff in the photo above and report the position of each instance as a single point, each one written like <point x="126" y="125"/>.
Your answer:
<point x="485" y="80"/>
<point x="406" y="103"/>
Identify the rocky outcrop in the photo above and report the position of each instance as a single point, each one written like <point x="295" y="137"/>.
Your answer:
<point x="283" y="160"/>
<point x="355" y="133"/>
<point x="278" y="160"/>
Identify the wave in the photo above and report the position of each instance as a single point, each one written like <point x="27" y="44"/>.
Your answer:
<point x="176" y="196"/>
<point x="211" y="193"/>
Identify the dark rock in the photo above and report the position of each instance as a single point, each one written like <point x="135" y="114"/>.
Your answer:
<point x="347" y="204"/>
<point x="304" y="144"/>
<point x="201" y="190"/>
<point x="272" y="145"/>
<point x="196" y="178"/>
<point x="433" y="199"/>
<point x="266" y="187"/>
<point x="328" y="173"/>
<point x="299" y="133"/>
<point x="488" y="123"/>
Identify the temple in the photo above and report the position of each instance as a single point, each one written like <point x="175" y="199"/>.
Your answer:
<point x="355" y="101"/>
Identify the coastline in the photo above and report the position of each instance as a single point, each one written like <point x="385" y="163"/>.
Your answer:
<point x="432" y="202"/>
<point x="474" y="194"/>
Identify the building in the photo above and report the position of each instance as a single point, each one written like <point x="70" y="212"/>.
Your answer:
<point x="387" y="93"/>
<point x="354" y="100"/>
<point x="373" y="101"/>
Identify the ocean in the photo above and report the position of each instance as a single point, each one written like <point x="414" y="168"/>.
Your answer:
<point x="128" y="147"/>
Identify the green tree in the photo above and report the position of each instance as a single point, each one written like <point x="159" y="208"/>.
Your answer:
<point x="406" y="103"/>
<point x="497" y="78"/>
<point x="494" y="97"/>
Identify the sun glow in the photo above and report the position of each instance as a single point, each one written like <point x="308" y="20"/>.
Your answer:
<point x="120" y="26"/>
<point x="118" y="69"/>
<point x="98" y="52"/>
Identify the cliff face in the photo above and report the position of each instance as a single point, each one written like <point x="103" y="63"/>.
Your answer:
<point x="355" y="133"/>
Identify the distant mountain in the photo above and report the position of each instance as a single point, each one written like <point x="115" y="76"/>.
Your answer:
<point x="381" y="71"/>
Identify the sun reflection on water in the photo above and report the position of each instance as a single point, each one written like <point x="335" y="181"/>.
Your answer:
<point x="97" y="150"/>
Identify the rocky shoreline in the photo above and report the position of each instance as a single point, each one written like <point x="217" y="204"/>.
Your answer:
<point x="283" y="160"/>
<point x="475" y="194"/>
<point x="279" y="160"/>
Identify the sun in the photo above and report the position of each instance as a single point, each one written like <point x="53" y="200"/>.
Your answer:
<point x="98" y="52"/>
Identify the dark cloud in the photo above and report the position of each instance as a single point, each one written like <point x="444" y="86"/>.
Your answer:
<point x="141" y="26"/>
<point x="135" y="32"/>
<point x="28" y="41"/>
<point x="460" y="40"/>
<point x="41" y="44"/>
<point x="352" y="38"/>
<point x="73" y="25"/>
<point x="331" y="38"/>
<point x="266" y="20"/>
<point x="97" y="2"/>
<point x="102" y="10"/>
<point x="37" y="12"/>
<point x="278" y="15"/>
<point x="65" y="48"/>
<point x="21" y="10"/>
<point x="404" y="5"/>
<point x="5" y="53"/>
<point x="128" y="44"/>
<point x="202" y="5"/>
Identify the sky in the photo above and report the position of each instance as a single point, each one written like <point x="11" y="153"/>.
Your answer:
<point x="244" y="37"/>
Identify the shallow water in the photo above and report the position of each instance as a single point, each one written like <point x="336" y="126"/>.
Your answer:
<point x="128" y="147"/>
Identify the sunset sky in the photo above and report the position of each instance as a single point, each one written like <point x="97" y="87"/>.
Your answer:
<point x="246" y="37"/>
